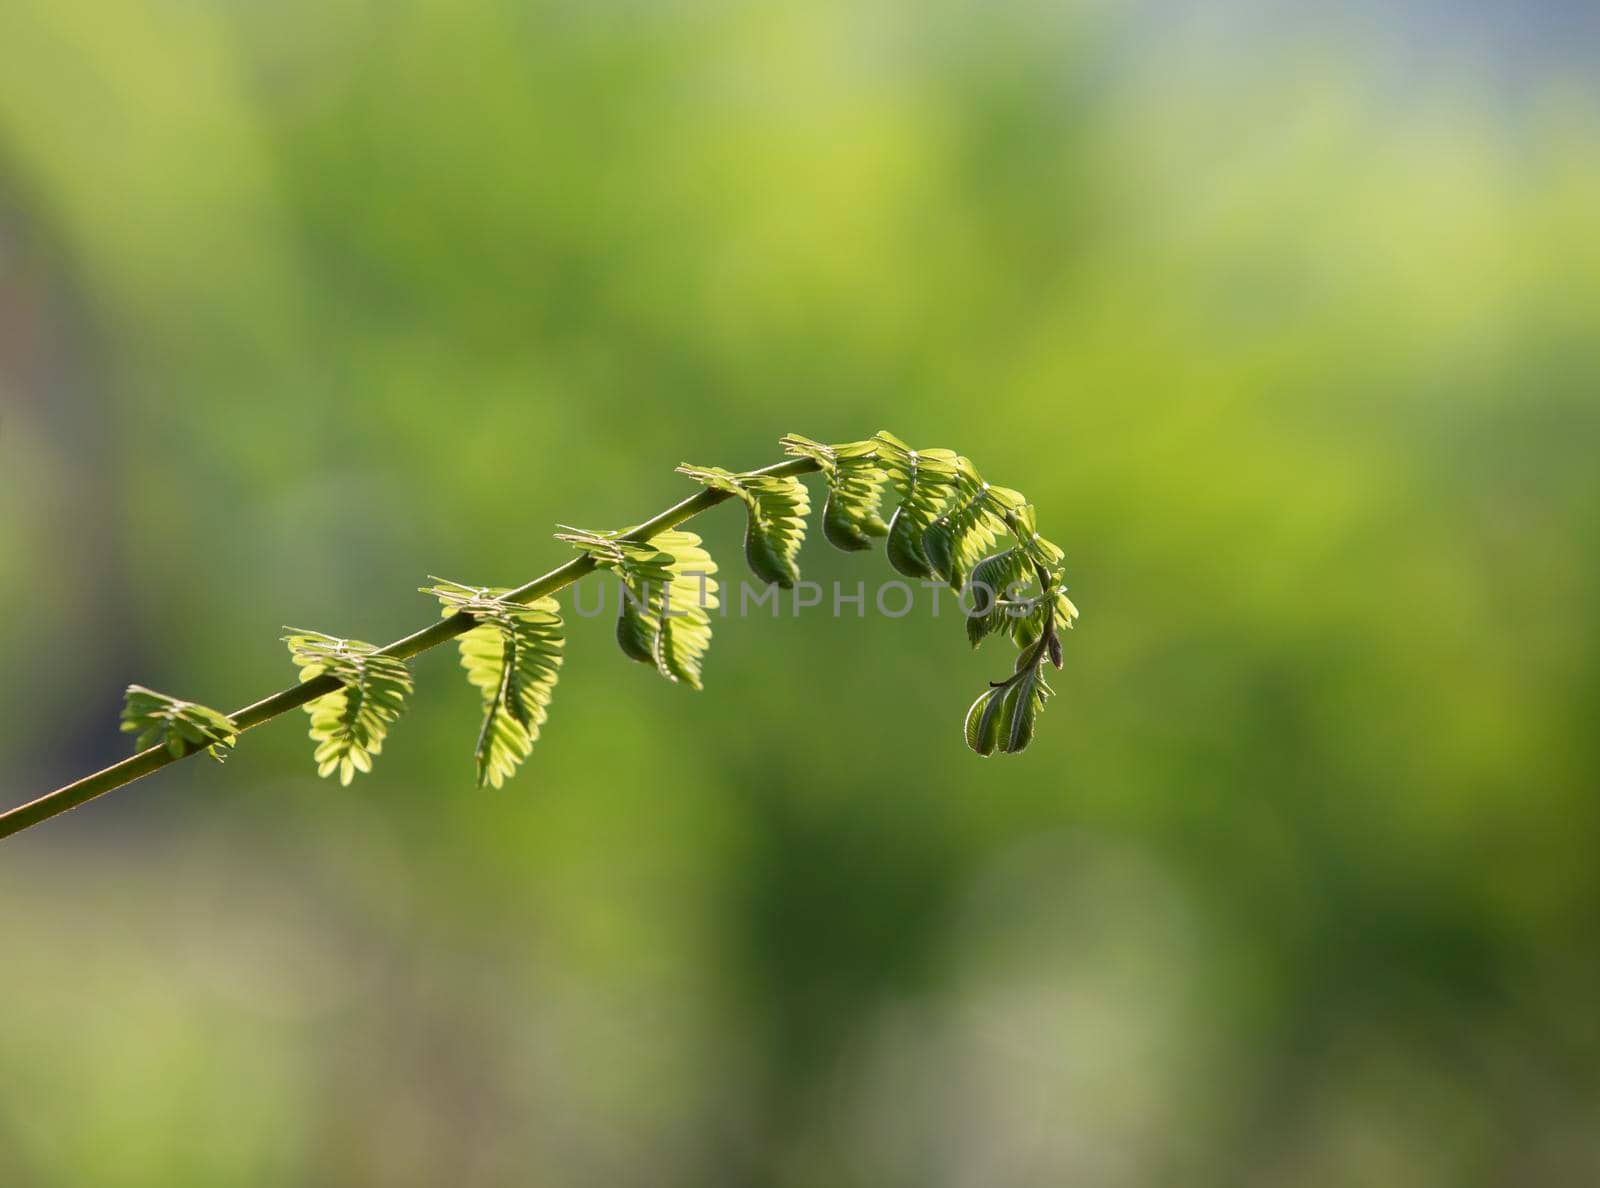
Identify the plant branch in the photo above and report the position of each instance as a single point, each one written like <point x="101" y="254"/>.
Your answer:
<point x="154" y="758"/>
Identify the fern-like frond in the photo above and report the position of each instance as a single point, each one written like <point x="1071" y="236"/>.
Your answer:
<point x="641" y="569"/>
<point x="1027" y="616"/>
<point x="852" y="515"/>
<point x="683" y="624"/>
<point x="349" y="725"/>
<point x="1023" y="525"/>
<point x="996" y="579"/>
<point x="644" y="574"/>
<point x="1003" y="717"/>
<point x="512" y="656"/>
<point x="667" y="592"/>
<point x="967" y="530"/>
<point x="175" y="724"/>
<point x="775" y="527"/>
<point x="926" y="481"/>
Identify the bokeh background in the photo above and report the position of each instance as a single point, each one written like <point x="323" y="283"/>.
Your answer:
<point x="1288" y="318"/>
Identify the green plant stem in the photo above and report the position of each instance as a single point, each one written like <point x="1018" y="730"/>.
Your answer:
<point x="155" y="758"/>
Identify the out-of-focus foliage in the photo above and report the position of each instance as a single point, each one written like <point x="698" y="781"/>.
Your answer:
<point x="1286" y="320"/>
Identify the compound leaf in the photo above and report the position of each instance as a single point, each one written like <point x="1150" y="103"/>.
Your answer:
<point x="995" y="580"/>
<point x="925" y="481"/>
<point x="667" y="592"/>
<point x="350" y="724"/>
<point x="775" y="526"/>
<point x="956" y="540"/>
<point x="1021" y="523"/>
<point x="512" y="656"/>
<point x="851" y="517"/>
<point x="178" y="725"/>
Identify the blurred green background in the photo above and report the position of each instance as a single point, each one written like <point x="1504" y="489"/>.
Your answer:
<point x="1288" y="321"/>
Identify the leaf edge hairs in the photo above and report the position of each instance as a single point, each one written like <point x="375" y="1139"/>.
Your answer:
<point x="948" y="524"/>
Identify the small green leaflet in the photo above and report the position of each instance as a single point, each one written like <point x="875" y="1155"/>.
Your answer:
<point x="777" y="506"/>
<point x="349" y="724"/>
<point x="180" y="726"/>
<point x="512" y="657"/>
